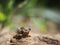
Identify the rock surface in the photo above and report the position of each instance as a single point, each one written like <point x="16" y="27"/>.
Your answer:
<point x="35" y="39"/>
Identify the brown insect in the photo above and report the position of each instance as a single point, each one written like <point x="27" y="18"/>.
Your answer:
<point x="22" y="33"/>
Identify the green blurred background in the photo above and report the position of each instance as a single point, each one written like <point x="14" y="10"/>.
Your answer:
<point x="40" y="15"/>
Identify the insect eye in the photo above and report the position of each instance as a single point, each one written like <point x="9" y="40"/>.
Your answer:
<point x="29" y="29"/>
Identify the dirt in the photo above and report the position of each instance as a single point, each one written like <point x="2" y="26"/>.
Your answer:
<point x="34" y="39"/>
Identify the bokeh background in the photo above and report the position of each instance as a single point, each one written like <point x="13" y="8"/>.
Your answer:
<point x="42" y="16"/>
